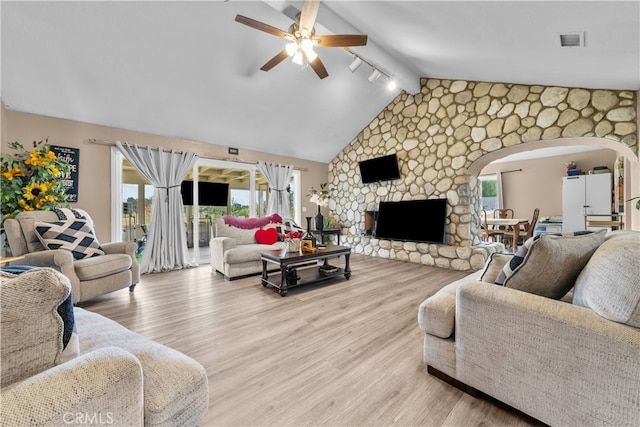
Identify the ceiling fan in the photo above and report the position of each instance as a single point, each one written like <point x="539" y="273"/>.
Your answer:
<point x="303" y="38"/>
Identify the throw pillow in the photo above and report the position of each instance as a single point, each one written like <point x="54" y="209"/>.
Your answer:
<point x="610" y="283"/>
<point x="280" y="229"/>
<point x="74" y="235"/>
<point x="494" y="266"/>
<point x="266" y="236"/>
<point x="515" y="262"/>
<point x="249" y="223"/>
<point x="552" y="264"/>
<point x="67" y="214"/>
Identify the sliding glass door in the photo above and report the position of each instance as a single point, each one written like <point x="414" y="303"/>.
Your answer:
<point x="212" y="189"/>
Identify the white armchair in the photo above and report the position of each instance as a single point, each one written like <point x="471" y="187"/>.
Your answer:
<point x="90" y="277"/>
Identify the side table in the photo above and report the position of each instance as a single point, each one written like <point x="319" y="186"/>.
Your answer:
<point x="328" y="232"/>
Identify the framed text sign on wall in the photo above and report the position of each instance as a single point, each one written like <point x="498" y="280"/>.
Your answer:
<point x="71" y="156"/>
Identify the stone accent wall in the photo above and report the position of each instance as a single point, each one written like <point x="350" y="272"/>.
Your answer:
<point x="438" y="133"/>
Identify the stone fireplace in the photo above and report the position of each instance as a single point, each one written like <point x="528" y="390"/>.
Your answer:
<point x="438" y="133"/>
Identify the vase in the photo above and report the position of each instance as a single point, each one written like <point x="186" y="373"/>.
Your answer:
<point x="308" y="235"/>
<point x="319" y="220"/>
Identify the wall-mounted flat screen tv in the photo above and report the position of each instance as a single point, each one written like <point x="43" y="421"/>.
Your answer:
<point x="378" y="169"/>
<point x="412" y="220"/>
<point x="209" y="193"/>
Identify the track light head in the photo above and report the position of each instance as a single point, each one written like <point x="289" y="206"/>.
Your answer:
<point x="375" y="75"/>
<point x="357" y="62"/>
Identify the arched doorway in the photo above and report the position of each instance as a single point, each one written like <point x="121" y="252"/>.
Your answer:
<point x="631" y="168"/>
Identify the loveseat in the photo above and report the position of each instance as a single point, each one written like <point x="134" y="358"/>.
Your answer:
<point x="235" y="252"/>
<point x="559" y="340"/>
<point x="67" y="366"/>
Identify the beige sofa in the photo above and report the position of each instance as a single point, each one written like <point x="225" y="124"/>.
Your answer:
<point x="570" y="362"/>
<point x="90" y="277"/>
<point x="106" y="374"/>
<point x="234" y="251"/>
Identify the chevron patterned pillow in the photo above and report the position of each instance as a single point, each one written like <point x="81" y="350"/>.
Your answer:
<point x="74" y="235"/>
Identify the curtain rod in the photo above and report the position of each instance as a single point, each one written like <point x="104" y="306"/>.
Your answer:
<point x="514" y="170"/>
<point x="110" y="143"/>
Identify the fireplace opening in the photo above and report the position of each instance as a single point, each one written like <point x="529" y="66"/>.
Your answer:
<point x="370" y="222"/>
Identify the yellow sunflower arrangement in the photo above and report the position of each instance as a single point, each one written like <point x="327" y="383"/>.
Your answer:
<point x="31" y="180"/>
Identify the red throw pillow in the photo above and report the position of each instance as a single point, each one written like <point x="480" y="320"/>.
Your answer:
<point x="267" y="236"/>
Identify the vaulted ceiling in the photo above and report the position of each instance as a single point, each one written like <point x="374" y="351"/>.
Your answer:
<point x="188" y="70"/>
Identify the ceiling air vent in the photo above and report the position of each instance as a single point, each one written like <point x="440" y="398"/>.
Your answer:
<point x="571" y="39"/>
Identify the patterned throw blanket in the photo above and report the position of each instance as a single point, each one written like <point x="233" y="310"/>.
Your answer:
<point x="249" y="223"/>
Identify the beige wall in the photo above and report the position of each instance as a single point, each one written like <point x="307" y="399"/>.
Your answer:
<point x="3" y="127"/>
<point x="537" y="183"/>
<point x="94" y="194"/>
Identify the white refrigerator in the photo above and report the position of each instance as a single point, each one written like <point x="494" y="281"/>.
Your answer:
<point x="583" y="195"/>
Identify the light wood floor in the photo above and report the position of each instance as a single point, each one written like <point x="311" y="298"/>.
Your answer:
<point x="347" y="353"/>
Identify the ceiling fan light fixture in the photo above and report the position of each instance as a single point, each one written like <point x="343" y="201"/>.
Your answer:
<point x="307" y="47"/>
<point x="291" y="48"/>
<point x="311" y="55"/>
<point x="357" y="62"/>
<point x="375" y="75"/>
<point x="297" y="58"/>
<point x="306" y="44"/>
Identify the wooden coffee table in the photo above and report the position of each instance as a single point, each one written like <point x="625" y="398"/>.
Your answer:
<point x="292" y="275"/>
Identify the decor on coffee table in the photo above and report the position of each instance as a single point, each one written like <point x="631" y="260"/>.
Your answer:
<point x="293" y="241"/>
<point x="292" y="273"/>
<point x="308" y="236"/>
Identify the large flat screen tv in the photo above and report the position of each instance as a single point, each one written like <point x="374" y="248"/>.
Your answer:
<point x="412" y="220"/>
<point x="209" y="193"/>
<point x="378" y="169"/>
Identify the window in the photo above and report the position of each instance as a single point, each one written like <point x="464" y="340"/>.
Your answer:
<point x="135" y="214"/>
<point x="488" y="192"/>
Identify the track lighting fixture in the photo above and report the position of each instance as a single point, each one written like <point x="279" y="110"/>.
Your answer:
<point x="375" y="72"/>
<point x="357" y="62"/>
<point x="375" y="75"/>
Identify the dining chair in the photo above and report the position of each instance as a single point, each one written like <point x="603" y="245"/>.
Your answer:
<point x="532" y="224"/>
<point x="503" y="213"/>
<point x="489" y="231"/>
<point x="526" y="231"/>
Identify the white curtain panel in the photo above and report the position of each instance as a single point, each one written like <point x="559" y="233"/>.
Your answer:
<point x="499" y="196"/>
<point x="278" y="177"/>
<point x="166" y="247"/>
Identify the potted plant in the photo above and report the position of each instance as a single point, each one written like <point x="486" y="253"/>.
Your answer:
<point x="321" y="198"/>
<point x="31" y="179"/>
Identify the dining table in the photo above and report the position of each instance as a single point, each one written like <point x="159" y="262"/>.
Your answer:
<point x="511" y="226"/>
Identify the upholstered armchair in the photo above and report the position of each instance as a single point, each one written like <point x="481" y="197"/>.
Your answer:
<point x="108" y="269"/>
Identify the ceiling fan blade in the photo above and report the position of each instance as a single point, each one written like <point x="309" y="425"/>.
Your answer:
<point x="318" y="67"/>
<point x="275" y="60"/>
<point x="261" y="26"/>
<point x="308" y="15"/>
<point x="341" y="40"/>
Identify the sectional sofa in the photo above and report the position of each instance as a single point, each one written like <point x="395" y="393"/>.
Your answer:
<point x="559" y="340"/>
